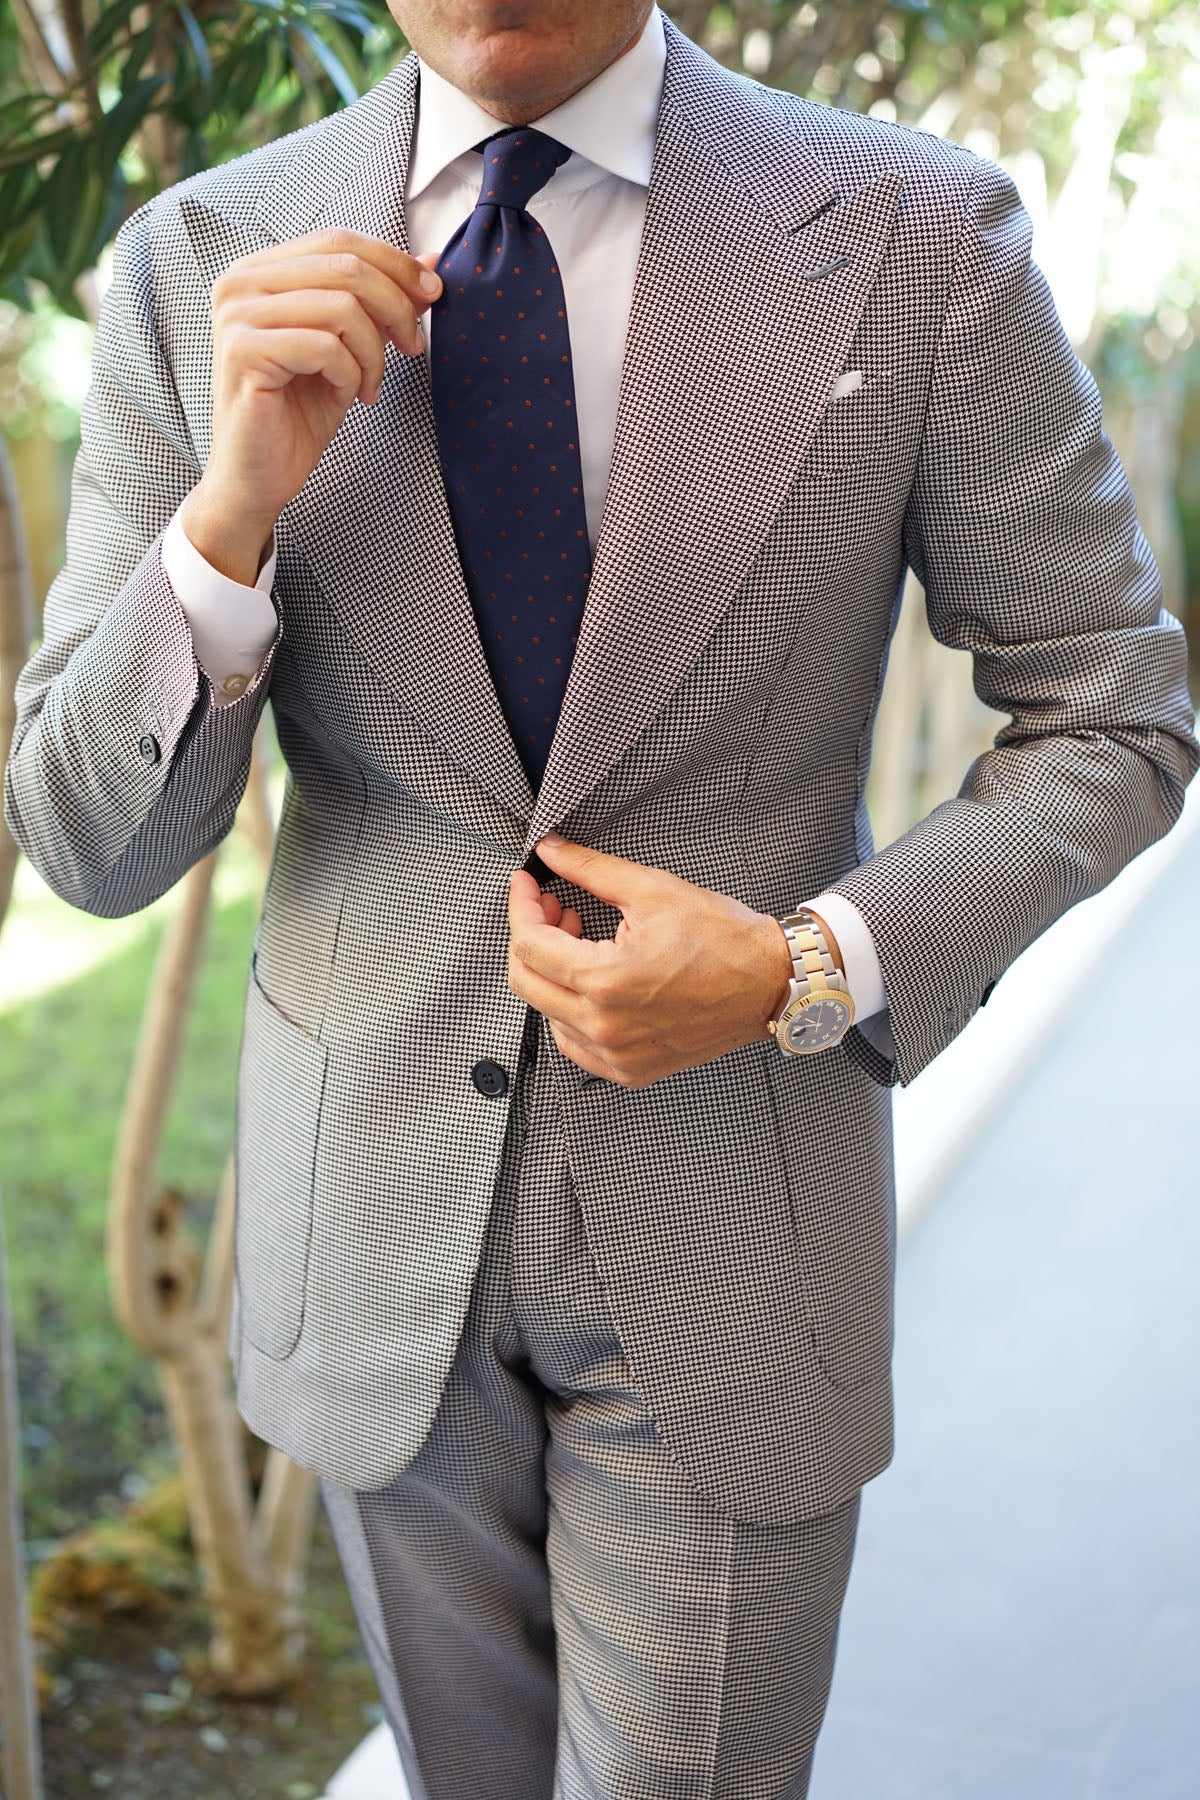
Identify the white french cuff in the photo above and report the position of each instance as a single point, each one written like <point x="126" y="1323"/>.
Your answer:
<point x="232" y="626"/>
<point x="860" y="961"/>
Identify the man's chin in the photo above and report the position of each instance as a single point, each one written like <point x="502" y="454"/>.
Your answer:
<point x="517" y="74"/>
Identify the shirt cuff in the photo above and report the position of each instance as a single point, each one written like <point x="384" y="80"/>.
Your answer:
<point x="860" y="961"/>
<point x="232" y="626"/>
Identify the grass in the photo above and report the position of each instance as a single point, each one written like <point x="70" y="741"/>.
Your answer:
<point x="92" y="1422"/>
<point x="128" y="1702"/>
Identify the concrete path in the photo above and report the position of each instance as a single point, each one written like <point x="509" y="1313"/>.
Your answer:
<point x="1024" y="1613"/>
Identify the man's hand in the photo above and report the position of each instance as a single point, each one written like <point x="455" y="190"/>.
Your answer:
<point x="299" y="333"/>
<point x="689" y="975"/>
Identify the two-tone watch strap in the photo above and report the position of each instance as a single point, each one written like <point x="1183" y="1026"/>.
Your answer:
<point x="810" y="954"/>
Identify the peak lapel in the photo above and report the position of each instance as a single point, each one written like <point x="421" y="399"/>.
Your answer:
<point x="372" y="521"/>
<point x="752" y="276"/>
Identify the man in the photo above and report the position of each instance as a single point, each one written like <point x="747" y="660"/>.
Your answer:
<point x="574" y="1288"/>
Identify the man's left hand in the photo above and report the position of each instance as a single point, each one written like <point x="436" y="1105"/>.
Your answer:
<point x="689" y="974"/>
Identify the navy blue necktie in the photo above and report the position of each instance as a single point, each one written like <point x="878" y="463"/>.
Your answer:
<point x="504" y="402"/>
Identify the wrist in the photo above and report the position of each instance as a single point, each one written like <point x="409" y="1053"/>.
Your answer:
<point x="777" y="968"/>
<point x="229" y="539"/>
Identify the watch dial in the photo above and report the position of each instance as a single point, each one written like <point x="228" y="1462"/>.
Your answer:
<point x="818" y="1026"/>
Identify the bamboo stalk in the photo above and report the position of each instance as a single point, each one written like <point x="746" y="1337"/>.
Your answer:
<point x="151" y="1268"/>
<point x="258" y="1631"/>
<point x="254" y="814"/>
<point x="22" y="1744"/>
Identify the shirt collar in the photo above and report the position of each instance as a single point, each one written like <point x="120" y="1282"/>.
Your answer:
<point x="612" y="121"/>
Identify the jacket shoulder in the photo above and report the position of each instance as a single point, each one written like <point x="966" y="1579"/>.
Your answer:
<point x="858" y="148"/>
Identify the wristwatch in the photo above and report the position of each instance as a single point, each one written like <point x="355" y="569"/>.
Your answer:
<point x="818" y="1010"/>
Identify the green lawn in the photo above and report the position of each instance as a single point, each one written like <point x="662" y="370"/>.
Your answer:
<point x="91" y="1414"/>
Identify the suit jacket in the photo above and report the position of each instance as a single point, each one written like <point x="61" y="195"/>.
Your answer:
<point x="717" y="723"/>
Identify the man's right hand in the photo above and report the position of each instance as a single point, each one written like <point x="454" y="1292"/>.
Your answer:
<point x="299" y="333"/>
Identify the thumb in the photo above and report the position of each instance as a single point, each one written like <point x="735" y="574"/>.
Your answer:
<point x="611" y="878"/>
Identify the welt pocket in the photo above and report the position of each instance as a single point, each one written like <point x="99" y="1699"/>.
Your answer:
<point x="281" y="1093"/>
<point x="855" y="429"/>
<point x="262" y="992"/>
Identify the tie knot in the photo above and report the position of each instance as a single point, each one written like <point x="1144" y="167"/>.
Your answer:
<point x="516" y="164"/>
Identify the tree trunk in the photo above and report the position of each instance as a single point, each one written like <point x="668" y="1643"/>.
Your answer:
<point x="18" y="1706"/>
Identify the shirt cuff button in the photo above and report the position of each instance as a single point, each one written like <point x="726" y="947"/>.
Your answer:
<point x="234" y="685"/>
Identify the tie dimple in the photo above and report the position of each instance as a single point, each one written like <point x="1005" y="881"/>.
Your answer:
<point x="516" y="165"/>
<point x="504" y="405"/>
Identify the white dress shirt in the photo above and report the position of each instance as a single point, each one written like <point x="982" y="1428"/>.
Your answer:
<point x="592" y="210"/>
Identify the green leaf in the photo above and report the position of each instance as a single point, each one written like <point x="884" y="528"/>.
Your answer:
<point x="329" y="62"/>
<point x="15" y="246"/>
<point x="37" y="147"/>
<point x="71" y="204"/>
<point x="196" y="40"/>
<point x="108" y="24"/>
<point x="122" y="121"/>
<point x="23" y="112"/>
<point x="245" y="76"/>
<point x="347" y="12"/>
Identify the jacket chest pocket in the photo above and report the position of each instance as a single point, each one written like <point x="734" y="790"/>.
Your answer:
<point x="855" y="429"/>
<point x="281" y="1088"/>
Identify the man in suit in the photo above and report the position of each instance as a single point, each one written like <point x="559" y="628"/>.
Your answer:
<point x="566" y="417"/>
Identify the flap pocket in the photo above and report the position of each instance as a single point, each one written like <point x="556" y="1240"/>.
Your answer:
<point x="281" y="1086"/>
<point x="855" y="429"/>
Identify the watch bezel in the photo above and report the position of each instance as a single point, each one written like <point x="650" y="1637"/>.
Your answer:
<point x="800" y="1003"/>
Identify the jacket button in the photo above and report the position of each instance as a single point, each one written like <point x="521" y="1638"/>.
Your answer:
<point x="490" y="1079"/>
<point x="148" y="749"/>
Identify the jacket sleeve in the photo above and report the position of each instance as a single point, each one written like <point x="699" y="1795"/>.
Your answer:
<point x="123" y="770"/>
<point x="1022" y="528"/>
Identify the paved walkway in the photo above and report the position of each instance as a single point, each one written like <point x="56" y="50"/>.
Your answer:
<point x="1024" y="1612"/>
<point x="1023" y="1621"/>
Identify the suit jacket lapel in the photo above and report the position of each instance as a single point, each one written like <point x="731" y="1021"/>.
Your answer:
<point x="739" y="327"/>
<point x="752" y="275"/>
<point x="372" y="521"/>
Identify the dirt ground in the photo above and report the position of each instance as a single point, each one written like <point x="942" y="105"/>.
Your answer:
<point x="129" y="1711"/>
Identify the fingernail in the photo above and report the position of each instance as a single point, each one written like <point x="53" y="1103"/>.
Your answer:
<point x="552" y="837"/>
<point x="431" y="282"/>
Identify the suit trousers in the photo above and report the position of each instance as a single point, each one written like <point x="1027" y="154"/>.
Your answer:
<point x="552" y="1610"/>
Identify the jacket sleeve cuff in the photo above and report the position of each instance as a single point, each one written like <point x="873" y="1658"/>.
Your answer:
<point x="870" y="1044"/>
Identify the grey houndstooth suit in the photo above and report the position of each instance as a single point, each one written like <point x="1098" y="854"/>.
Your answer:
<point x="717" y="723"/>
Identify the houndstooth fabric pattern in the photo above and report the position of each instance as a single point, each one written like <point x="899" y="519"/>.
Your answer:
<point x="717" y="722"/>
<point x="550" y="1605"/>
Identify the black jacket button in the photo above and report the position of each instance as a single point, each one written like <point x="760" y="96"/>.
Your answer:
<point x="148" y="749"/>
<point x="490" y="1079"/>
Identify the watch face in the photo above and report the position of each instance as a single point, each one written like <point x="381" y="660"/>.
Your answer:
<point x="818" y="1026"/>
